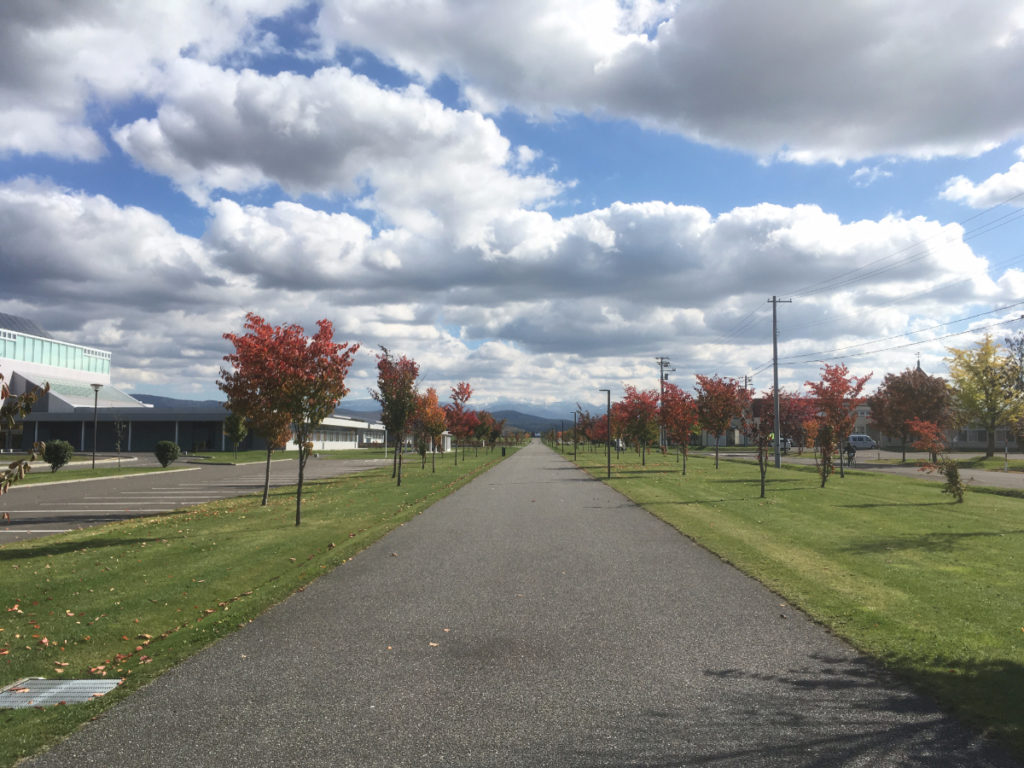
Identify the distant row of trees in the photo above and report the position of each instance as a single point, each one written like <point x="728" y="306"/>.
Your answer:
<point x="985" y="388"/>
<point x="282" y="384"/>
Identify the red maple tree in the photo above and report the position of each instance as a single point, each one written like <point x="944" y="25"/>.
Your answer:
<point x="912" y="395"/>
<point x="719" y="401"/>
<point x="280" y="376"/>
<point x="758" y="425"/>
<point x="459" y="423"/>
<point x="429" y="424"/>
<point x="679" y="417"/>
<point x="396" y="393"/>
<point x="640" y="418"/>
<point x="836" y="397"/>
<point x="795" y="411"/>
<point x="930" y="438"/>
<point x="13" y="407"/>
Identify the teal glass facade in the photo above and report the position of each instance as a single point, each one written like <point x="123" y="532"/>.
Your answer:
<point x="59" y="354"/>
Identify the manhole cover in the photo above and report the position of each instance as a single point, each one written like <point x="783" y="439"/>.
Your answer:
<point x="40" y="692"/>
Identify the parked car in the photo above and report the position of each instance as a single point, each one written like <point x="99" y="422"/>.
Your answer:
<point x="861" y="442"/>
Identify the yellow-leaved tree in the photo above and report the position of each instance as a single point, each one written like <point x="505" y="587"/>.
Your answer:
<point x="981" y="395"/>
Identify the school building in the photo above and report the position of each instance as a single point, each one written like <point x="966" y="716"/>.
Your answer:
<point x="81" y="395"/>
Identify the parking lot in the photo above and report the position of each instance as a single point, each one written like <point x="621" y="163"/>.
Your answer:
<point x="59" y="507"/>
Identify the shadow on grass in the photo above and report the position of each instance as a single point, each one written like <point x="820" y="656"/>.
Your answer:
<point x="929" y="542"/>
<point x="644" y="472"/>
<point x="756" y="481"/>
<point x="897" y="505"/>
<point x="24" y="550"/>
<point x="1013" y="493"/>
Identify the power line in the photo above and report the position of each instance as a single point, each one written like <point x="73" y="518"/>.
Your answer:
<point x="923" y="341"/>
<point x="797" y="358"/>
<point x="859" y="273"/>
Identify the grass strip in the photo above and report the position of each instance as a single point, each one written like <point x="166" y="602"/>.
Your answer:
<point x="930" y="588"/>
<point x="132" y="599"/>
<point x="63" y="475"/>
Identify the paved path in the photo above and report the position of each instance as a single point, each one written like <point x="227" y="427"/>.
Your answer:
<point x="46" y="508"/>
<point x="533" y="618"/>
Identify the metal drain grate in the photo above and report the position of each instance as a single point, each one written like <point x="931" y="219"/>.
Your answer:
<point x="40" y="692"/>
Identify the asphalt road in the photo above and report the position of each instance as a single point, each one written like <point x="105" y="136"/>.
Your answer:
<point x="47" y="508"/>
<point x="533" y="618"/>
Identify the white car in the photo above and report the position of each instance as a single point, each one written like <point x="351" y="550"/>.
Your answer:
<point x="861" y="442"/>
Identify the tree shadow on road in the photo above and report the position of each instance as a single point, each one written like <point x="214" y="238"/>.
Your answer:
<point x="832" y="712"/>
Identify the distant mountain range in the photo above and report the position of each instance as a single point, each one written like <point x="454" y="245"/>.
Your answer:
<point x="366" y="410"/>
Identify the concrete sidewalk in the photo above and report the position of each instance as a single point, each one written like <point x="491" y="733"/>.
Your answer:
<point x="533" y="618"/>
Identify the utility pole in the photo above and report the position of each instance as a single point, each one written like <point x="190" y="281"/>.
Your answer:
<point x="775" y="301"/>
<point x="663" y="372"/>
<point x="608" y="430"/>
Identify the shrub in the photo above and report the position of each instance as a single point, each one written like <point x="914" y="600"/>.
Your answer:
<point x="166" y="452"/>
<point x="954" y="485"/>
<point x="58" y="453"/>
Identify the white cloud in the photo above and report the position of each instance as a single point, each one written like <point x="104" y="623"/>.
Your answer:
<point x="57" y="59"/>
<point x="997" y="189"/>
<point x="402" y="154"/>
<point x="806" y="82"/>
<point x="607" y="289"/>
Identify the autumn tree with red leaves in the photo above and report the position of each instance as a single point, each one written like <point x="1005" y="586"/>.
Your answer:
<point x="12" y="408"/>
<point x="679" y="417"/>
<point x="429" y="423"/>
<point x="759" y="426"/>
<point x="251" y="385"/>
<point x="910" y="396"/>
<point x="396" y="393"/>
<point x="836" y="396"/>
<point x="930" y="438"/>
<point x="457" y="415"/>
<point x="719" y="401"/>
<point x="281" y="376"/>
<point x="795" y="411"/>
<point x="640" y="418"/>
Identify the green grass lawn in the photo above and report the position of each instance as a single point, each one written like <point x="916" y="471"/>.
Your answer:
<point x="931" y="588"/>
<point x="71" y="472"/>
<point x="130" y="600"/>
<point x="246" y="457"/>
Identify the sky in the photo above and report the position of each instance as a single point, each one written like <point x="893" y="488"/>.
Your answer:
<point x="539" y="197"/>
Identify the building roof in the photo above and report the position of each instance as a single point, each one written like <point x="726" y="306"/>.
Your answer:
<point x="22" y="325"/>
<point x="78" y="394"/>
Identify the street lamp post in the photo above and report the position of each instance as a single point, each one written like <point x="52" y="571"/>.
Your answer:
<point x="574" y="436"/>
<point x="608" y="428"/>
<point x="95" y="406"/>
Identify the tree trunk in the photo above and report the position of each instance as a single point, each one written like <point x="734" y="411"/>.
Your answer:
<point x="394" y="462"/>
<point x="762" y="463"/>
<point x="266" y="479"/>
<point x="298" y="493"/>
<point x="399" y="454"/>
<point x="717" y="438"/>
<point x="433" y="459"/>
<point x="990" y="440"/>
